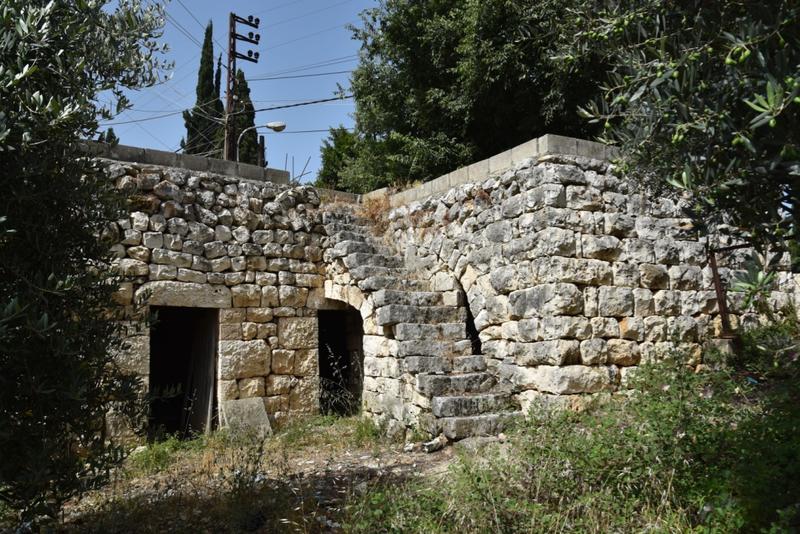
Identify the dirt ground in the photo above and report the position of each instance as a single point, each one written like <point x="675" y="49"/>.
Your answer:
<point x="297" y="481"/>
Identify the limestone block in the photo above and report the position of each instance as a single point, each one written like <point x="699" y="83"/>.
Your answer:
<point x="552" y="195"/>
<point x="638" y="251"/>
<point x="269" y="297"/>
<point x="294" y="297"/>
<point x="623" y="352"/>
<point x="200" y="232"/>
<point x="227" y="390"/>
<point x="231" y="315"/>
<point x="139" y="253"/>
<point x="153" y="239"/>
<point x="133" y="356"/>
<point x="594" y="351"/>
<point x="698" y="302"/>
<point x="241" y="234"/>
<point x="685" y="277"/>
<point x="574" y="270"/>
<point x="259" y="315"/>
<point x="246" y="295"/>
<point x="297" y="332"/>
<point x="131" y="267"/>
<point x="172" y="242"/>
<point x="222" y="233"/>
<point x="306" y="362"/>
<point x="584" y="198"/>
<point x="615" y="301"/>
<point x="230" y="332"/>
<point x="304" y="397"/>
<point x="214" y="249"/>
<point x="632" y="328"/>
<point x="643" y="303"/>
<point x="546" y="299"/>
<point x="604" y="327"/>
<point x="667" y="252"/>
<point x="553" y="242"/>
<point x="243" y="359"/>
<point x="667" y="302"/>
<point x="566" y="380"/>
<point x="245" y="415"/>
<point x="654" y="276"/>
<point x="682" y="328"/>
<point x="201" y="264"/>
<point x="220" y="264"/>
<point x="249" y="331"/>
<point x="655" y="328"/>
<point x="626" y="274"/>
<point x="280" y="384"/>
<point x="163" y="272"/>
<point x="184" y="294"/>
<point x="604" y="247"/>
<point x="619" y="225"/>
<point x="283" y="361"/>
<point x="565" y="327"/>
<point x="552" y="352"/>
<point x="171" y="257"/>
<point x="140" y="221"/>
<point x="310" y="280"/>
<point x="188" y="275"/>
<point x="251" y="387"/>
<point x="590" y="295"/>
<point x="266" y="279"/>
<point x="192" y="247"/>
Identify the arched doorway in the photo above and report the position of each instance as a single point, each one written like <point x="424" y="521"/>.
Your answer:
<point x="341" y="359"/>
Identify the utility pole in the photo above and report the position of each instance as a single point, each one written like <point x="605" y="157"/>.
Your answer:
<point x="229" y="149"/>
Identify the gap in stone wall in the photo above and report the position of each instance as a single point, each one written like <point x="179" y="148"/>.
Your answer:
<point x="183" y="356"/>
<point x="341" y="361"/>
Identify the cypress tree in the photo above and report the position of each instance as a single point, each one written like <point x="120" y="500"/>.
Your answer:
<point x="245" y="118"/>
<point x="204" y="121"/>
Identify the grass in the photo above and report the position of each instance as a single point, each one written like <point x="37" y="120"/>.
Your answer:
<point x="716" y="451"/>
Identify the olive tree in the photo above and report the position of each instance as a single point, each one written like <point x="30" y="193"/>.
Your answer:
<point x="57" y="376"/>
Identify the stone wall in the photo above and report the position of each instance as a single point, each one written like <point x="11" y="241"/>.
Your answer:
<point x="538" y="279"/>
<point x="252" y="249"/>
<point x="573" y="275"/>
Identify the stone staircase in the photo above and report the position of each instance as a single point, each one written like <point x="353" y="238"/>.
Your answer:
<point x="430" y="329"/>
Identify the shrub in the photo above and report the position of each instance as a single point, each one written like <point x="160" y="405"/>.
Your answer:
<point x="711" y="451"/>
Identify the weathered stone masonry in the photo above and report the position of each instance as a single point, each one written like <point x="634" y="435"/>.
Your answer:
<point x="570" y="277"/>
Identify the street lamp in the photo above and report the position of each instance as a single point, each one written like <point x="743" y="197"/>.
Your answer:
<point x="274" y="126"/>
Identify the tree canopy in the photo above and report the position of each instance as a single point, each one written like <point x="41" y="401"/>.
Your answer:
<point x="706" y="95"/>
<point x="204" y="121"/>
<point x="59" y="378"/>
<point x="442" y="84"/>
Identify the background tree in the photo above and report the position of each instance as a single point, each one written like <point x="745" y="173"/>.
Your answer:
<point x="245" y="117"/>
<point x="442" y="84"/>
<point x="108" y="137"/>
<point x="204" y="121"/>
<point x="706" y="95"/>
<point x="337" y="152"/>
<point x="59" y="379"/>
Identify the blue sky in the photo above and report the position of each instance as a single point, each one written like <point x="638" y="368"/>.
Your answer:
<point x="298" y="38"/>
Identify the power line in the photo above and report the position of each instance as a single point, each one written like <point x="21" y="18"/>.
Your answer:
<point x="222" y="48"/>
<point x="309" y="35"/>
<point x="310" y="66"/>
<point x="276" y="8"/>
<point x="304" y="15"/>
<point x="183" y="30"/>
<point x="300" y="76"/>
<point x="285" y="106"/>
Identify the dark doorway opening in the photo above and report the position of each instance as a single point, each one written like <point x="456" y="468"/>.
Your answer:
<point x="341" y="361"/>
<point x="183" y="358"/>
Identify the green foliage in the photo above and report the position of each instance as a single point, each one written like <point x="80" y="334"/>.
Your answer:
<point x="108" y="137"/>
<point x="59" y="379"/>
<point x="715" y="451"/>
<point x="204" y="121"/>
<point x="337" y="152"/>
<point x="245" y="117"/>
<point x="706" y="95"/>
<point x="442" y="84"/>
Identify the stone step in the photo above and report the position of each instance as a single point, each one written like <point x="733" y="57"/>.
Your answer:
<point x="467" y="405"/>
<point x="363" y="272"/>
<point x="469" y="364"/>
<point x="440" y="385"/>
<point x="384" y="297"/>
<point x="344" y="221"/>
<point x="344" y="248"/>
<point x="435" y="365"/>
<point x="399" y="313"/>
<point x="441" y="331"/>
<point x="456" y="428"/>
<point x="425" y="347"/>
<point x="383" y="281"/>
<point x="346" y="235"/>
<point x="358" y="259"/>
